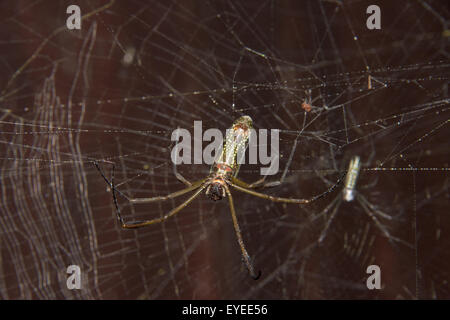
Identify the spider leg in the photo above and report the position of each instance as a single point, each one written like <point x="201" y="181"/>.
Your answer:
<point x="380" y="226"/>
<point x="138" y="224"/>
<point x="324" y="180"/>
<point x="175" y="171"/>
<point x="330" y="219"/>
<point x="175" y="194"/>
<point x="337" y="200"/>
<point x="370" y="185"/>
<point x="245" y="184"/>
<point x="373" y="208"/>
<point x="172" y="195"/>
<point x="288" y="200"/>
<point x="239" y="237"/>
<point x="180" y="176"/>
<point x="261" y="183"/>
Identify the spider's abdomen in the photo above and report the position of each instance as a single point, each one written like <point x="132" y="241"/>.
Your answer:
<point x="236" y="143"/>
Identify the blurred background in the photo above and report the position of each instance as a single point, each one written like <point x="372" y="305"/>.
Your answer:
<point x="115" y="90"/>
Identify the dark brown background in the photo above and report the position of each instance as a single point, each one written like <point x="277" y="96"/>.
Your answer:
<point x="67" y="98"/>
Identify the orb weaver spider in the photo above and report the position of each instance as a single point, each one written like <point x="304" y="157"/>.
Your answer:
<point x="350" y="194"/>
<point x="223" y="175"/>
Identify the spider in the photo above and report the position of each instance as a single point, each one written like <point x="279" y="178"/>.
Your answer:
<point x="306" y="106"/>
<point x="349" y="194"/>
<point x="223" y="175"/>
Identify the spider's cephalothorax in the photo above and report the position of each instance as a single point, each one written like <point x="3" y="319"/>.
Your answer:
<point x="216" y="190"/>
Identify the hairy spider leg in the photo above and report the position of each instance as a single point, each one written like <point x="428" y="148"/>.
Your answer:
<point x="138" y="224"/>
<point x="239" y="237"/>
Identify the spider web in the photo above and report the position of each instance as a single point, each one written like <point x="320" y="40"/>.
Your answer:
<point x="114" y="92"/>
